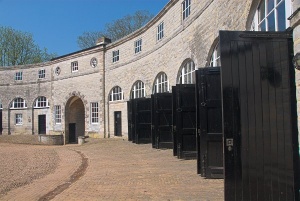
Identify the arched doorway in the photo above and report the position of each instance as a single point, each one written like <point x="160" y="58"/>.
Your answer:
<point x="75" y="119"/>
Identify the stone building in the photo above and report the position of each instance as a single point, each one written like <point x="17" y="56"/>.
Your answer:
<point x="86" y="92"/>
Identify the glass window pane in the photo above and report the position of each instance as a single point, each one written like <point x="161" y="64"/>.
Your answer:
<point x="271" y="22"/>
<point x="281" y="17"/>
<point x="270" y="5"/>
<point x="262" y="26"/>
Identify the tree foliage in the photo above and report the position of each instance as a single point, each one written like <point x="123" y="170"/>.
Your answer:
<point x="18" y="48"/>
<point x="116" y="29"/>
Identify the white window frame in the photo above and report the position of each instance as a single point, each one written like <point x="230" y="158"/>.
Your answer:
<point x="138" y="46"/>
<point x="161" y="84"/>
<point x="18" y="103"/>
<point x="186" y="9"/>
<point x="74" y="66"/>
<point x="115" y="55"/>
<point x="41" y="102"/>
<point x="138" y="90"/>
<point x="215" y="59"/>
<point x="19" y="76"/>
<point x="94" y="113"/>
<point x="187" y="75"/>
<point x="19" y="119"/>
<point x="160" y="31"/>
<point x="116" y="94"/>
<point x="57" y="114"/>
<point x="257" y="22"/>
<point x="42" y="73"/>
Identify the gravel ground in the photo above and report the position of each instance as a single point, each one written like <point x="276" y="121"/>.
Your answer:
<point x="21" y="164"/>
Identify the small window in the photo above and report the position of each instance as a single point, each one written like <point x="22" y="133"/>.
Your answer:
<point x="18" y="103"/>
<point x="138" y="46"/>
<point x="57" y="70"/>
<point x="94" y="113"/>
<point x="115" y="56"/>
<point x="1" y="106"/>
<point x="19" y="76"/>
<point x="57" y="110"/>
<point x="19" y="119"/>
<point x="138" y="90"/>
<point x="74" y="66"/>
<point x="93" y="62"/>
<point x="42" y="74"/>
<point x="161" y="84"/>
<point x="41" y="102"/>
<point x="186" y="9"/>
<point x="116" y="94"/>
<point x="160" y="31"/>
<point x="187" y="75"/>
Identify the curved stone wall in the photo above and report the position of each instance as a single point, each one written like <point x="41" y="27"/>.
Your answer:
<point x="193" y="39"/>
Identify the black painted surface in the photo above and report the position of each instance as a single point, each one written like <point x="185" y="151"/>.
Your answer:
<point x="118" y="123"/>
<point x="130" y="118"/>
<point x="142" y="111"/>
<point x="42" y="124"/>
<point x="185" y="114"/>
<point x="259" y="108"/>
<point x="162" y="121"/>
<point x="174" y="133"/>
<point x="209" y="123"/>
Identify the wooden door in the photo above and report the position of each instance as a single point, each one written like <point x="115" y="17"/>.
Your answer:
<point x="118" y="123"/>
<point x="42" y="124"/>
<point x="186" y="121"/>
<point x="162" y="120"/>
<point x="209" y="123"/>
<point x="260" y="116"/>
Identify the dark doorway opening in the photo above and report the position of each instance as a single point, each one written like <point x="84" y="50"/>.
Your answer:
<point x="42" y="124"/>
<point x="118" y="123"/>
<point x="72" y="132"/>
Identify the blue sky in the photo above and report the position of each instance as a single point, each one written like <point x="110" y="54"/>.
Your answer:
<point x="56" y="24"/>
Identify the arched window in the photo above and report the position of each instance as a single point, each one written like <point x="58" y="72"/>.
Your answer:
<point x="187" y="75"/>
<point x="161" y="84"/>
<point x="116" y="94"/>
<point x="41" y="102"/>
<point x="215" y="57"/>
<point x="18" y="103"/>
<point x="271" y="15"/>
<point x="138" y="90"/>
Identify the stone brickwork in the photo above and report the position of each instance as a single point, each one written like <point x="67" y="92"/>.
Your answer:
<point x="193" y="38"/>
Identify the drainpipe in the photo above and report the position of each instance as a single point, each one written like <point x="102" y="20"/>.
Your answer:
<point x="108" y="127"/>
<point x="103" y="42"/>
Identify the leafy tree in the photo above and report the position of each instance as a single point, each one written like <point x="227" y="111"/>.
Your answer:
<point x="18" y="48"/>
<point x="116" y="29"/>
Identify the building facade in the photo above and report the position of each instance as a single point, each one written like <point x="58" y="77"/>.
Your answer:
<point x="86" y="92"/>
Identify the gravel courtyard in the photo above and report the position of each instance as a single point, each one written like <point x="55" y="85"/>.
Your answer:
<point x="101" y="169"/>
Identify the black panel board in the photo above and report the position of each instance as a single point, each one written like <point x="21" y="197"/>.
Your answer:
<point x="142" y="111"/>
<point x="260" y="119"/>
<point x="209" y="123"/>
<point x="162" y="121"/>
<point x="185" y="114"/>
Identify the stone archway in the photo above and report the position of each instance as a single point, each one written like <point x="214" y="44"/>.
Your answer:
<point x="74" y="119"/>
